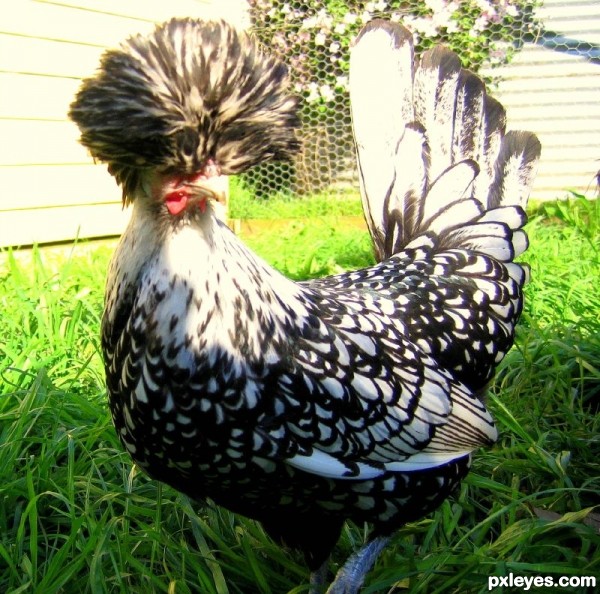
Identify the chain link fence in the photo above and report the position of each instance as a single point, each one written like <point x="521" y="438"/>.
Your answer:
<point x="314" y="39"/>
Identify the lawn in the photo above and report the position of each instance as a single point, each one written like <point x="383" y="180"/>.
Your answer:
<point x="77" y="518"/>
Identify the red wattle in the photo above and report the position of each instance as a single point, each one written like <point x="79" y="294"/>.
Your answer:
<point x="176" y="201"/>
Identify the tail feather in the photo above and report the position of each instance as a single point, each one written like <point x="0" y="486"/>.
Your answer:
<point x="403" y="202"/>
<point x="435" y="87"/>
<point x="385" y="111"/>
<point x="494" y="128"/>
<point x="450" y="187"/>
<point x="469" y="116"/>
<point x="432" y="151"/>
<point x="515" y="169"/>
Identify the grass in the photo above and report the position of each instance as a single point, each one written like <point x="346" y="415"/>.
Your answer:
<point x="77" y="518"/>
<point x="284" y="206"/>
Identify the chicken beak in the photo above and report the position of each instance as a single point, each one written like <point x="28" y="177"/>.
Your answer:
<point x="215" y="188"/>
<point x="183" y="192"/>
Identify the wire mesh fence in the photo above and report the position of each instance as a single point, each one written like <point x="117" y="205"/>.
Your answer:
<point x="314" y="39"/>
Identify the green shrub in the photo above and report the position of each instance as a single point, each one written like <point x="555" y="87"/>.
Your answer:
<point x="314" y="38"/>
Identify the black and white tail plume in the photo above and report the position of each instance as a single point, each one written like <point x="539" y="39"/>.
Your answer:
<point x="433" y="155"/>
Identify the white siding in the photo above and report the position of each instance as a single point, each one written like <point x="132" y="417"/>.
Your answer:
<point x="553" y="89"/>
<point x="50" y="190"/>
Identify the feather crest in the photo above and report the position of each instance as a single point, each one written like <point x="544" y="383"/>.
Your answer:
<point x="191" y="91"/>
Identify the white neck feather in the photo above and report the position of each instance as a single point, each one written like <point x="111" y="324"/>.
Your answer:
<point x="215" y="289"/>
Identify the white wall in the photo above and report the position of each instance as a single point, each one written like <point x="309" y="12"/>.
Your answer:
<point x="556" y="94"/>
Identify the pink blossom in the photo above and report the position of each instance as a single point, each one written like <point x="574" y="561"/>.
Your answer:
<point x="341" y="82"/>
<point x="326" y="92"/>
<point x="481" y="23"/>
<point x="452" y="7"/>
<point x="320" y="38"/>
<point x="303" y="37"/>
<point x="313" y="92"/>
<point x="378" y="6"/>
<point x="422" y="25"/>
<point x="435" y="5"/>
<point x="309" y="22"/>
<point x="452" y="27"/>
<point x="483" y="5"/>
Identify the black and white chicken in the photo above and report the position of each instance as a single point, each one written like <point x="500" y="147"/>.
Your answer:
<point x="302" y="405"/>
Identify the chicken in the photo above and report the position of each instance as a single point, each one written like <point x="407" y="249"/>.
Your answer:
<point x="303" y="405"/>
